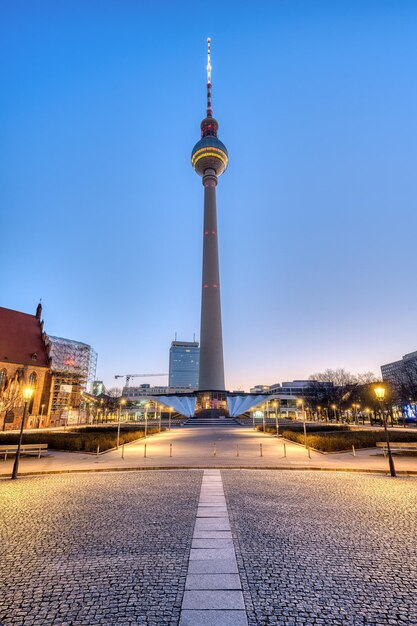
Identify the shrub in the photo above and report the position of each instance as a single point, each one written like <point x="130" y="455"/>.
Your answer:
<point x="80" y="440"/>
<point x="337" y="441"/>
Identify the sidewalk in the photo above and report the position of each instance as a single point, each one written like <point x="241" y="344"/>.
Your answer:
<point x="209" y="447"/>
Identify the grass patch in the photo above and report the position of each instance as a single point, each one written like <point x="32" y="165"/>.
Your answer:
<point x="81" y="440"/>
<point x="341" y="439"/>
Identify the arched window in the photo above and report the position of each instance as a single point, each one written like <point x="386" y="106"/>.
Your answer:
<point x="32" y="383"/>
<point x="3" y="379"/>
<point x="32" y="380"/>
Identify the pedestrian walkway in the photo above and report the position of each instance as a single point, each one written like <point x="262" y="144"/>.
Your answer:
<point x="217" y="447"/>
<point x="213" y="592"/>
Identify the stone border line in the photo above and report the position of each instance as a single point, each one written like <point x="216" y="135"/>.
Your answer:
<point x="143" y="468"/>
<point x="213" y="591"/>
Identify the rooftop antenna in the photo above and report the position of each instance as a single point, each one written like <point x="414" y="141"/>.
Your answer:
<point x="175" y="335"/>
<point x="194" y="337"/>
<point x="209" y="109"/>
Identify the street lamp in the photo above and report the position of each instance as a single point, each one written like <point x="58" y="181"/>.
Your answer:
<point x="122" y="402"/>
<point x="275" y="403"/>
<point x="301" y="403"/>
<point x="380" y="394"/>
<point x="146" y="418"/>
<point x="27" y="395"/>
<point x="319" y="412"/>
<point x="334" y="411"/>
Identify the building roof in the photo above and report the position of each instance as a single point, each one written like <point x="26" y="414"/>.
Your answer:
<point x="21" y="339"/>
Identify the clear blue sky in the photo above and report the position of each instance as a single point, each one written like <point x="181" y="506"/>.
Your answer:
<point x="101" y="212"/>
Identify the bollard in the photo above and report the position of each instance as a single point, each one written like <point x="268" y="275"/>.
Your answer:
<point x="170" y="449"/>
<point x="308" y="450"/>
<point x="353" y="451"/>
<point x="144" y="451"/>
<point x="214" y="449"/>
<point x="123" y="451"/>
<point x="285" y="451"/>
<point x="98" y="450"/>
<point x="260" y="450"/>
<point x="237" y="449"/>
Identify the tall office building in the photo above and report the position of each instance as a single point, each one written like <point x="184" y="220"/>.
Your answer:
<point x="209" y="159"/>
<point x="184" y="361"/>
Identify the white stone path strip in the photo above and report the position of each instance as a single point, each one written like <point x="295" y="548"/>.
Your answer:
<point x="213" y="593"/>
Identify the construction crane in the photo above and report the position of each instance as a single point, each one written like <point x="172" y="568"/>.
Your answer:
<point x="130" y="376"/>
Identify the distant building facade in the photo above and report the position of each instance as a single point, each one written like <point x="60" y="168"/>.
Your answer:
<point x="184" y="364"/>
<point x="134" y="394"/>
<point x="73" y="365"/>
<point x="97" y="388"/>
<point x="397" y="371"/>
<point x="296" y="388"/>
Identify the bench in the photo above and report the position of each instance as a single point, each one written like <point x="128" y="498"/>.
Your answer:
<point x="403" y="446"/>
<point x="25" y="447"/>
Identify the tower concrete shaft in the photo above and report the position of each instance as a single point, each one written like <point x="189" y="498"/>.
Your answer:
<point x="211" y="376"/>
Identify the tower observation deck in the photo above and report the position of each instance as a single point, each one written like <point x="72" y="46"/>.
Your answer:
<point x="209" y="159"/>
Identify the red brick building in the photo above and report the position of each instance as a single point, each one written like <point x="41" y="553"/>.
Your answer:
<point x="24" y="361"/>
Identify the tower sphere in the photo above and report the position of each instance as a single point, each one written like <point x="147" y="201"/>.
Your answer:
<point x="209" y="153"/>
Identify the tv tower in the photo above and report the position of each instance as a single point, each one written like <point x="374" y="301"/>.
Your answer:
<point x="209" y="159"/>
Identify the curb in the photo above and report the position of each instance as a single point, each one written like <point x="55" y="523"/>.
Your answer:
<point x="221" y="467"/>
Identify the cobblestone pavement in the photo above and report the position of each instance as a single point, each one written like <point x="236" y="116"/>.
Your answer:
<point x="325" y="548"/>
<point x="107" y="549"/>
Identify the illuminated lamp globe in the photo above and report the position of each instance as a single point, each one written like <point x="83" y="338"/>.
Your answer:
<point x="209" y="154"/>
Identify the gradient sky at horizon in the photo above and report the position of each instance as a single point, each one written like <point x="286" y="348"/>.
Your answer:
<point x="101" y="212"/>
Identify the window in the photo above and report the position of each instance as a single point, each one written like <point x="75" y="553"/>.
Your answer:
<point x="32" y="380"/>
<point x="3" y="379"/>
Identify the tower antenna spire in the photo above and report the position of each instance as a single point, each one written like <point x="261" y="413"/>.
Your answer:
<point x="209" y="109"/>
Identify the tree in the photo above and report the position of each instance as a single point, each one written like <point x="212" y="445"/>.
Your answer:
<point x="114" y="392"/>
<point x="10" y="394"/>
<point x="337" y="388"/>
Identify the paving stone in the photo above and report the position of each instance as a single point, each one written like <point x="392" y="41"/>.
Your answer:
<point x="96" y="550"/>
<point x="204" y="511"/>
<point x="325" y="548"/>
<point x="212" y="543"/>
<point x="212" y="524"/>
<point x="211" y="554"/>
<point x="223" y="566"/>
<point x="213" y="600"/>
<point x="213" y="618"/>
<point x="213" y="581"/>
<point x="212" y="534"/>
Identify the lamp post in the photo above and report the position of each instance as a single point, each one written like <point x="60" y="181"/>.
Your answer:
<point x="380" y="394"/>
<point x="253" y="419"/>
<point x="146" y="418"/>
<point x="318" y="413"/>
<point x="275" y="403"/>
<point x="27" y="395"/>
<point x="301" y="403"/>
<point x="263" y="416"/>
<point x="122" y="402"/>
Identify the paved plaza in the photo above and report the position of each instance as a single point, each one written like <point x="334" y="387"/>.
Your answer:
<point x="121" y="548"/>
<point x="225" y="446"/>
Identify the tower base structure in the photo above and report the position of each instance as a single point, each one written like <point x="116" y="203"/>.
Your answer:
<point x="211" y="404"/>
